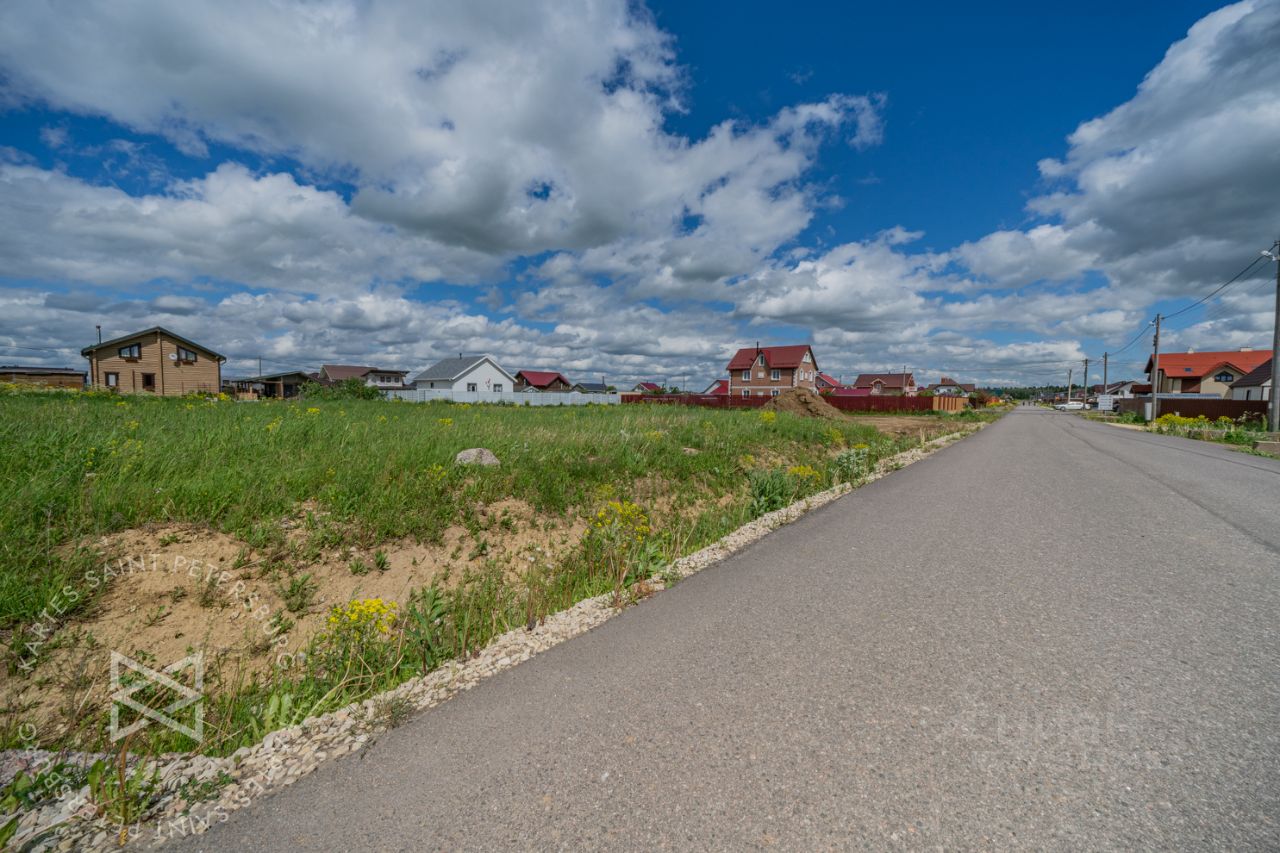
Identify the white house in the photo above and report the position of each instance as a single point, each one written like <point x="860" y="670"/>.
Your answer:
<point x="1123" y="389"/>
<point x="1256" y="385"/>
<point x="473" y="373"/>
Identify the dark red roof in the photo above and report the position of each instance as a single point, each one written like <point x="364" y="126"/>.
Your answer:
<point x="541" y="378"/>
<point x="846" y="391"/>
<point x="649" y="386"/>
<point x="720" y="387"/>
<point x="1199" y="364"/>
<point x="888" y="380"/>
<point x="829" y="380"/>
<point x="780" y="357"/>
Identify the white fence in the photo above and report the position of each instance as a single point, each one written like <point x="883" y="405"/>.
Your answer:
<point x="519" y="398"/>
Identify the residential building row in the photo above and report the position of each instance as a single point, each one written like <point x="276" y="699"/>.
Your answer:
<point x="161" y="362"/>
<point x="768" y="371"/>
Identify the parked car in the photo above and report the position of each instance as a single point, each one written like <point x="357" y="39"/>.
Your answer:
<point x="1072" y="406"/>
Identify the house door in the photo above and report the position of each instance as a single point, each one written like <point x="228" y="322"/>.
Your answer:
<point x="149" y="382"/>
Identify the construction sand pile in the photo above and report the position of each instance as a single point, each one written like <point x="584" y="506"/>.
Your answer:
<point x="803" y="402"/>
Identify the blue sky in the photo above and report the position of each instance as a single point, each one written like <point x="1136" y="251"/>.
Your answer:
<point x="604" y="188"/>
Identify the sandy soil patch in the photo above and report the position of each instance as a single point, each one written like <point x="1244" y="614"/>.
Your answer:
<point x="170" y="590"/>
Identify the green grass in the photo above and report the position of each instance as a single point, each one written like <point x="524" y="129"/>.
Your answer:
<point x="78" y="466"/>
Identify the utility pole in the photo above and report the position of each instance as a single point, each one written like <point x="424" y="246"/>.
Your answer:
<point x="1275" y="350"/>
<point x="259" y="367"/>
<point x="1155" y="372"/>
<point x="1085" y="384"/>
<point x="1105" y="387"/>
<point x="1070" y="370"/>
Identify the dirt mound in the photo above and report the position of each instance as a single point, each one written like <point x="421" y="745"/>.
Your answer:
<point x="803" y="402"/>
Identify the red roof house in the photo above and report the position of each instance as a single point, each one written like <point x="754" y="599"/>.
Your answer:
<point x="542" y="380"/>
<point x="719" y="388"/>
<point x="768" y="371"/>
<point x="826" y="382"/>
<point x="648" y="388"/>
<point x="1205" y="372"/>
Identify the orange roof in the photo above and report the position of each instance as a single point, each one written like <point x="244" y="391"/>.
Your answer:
<point x="1198" y="364"/>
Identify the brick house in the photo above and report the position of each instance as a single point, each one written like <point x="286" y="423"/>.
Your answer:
<point x="892" y="384"/>
<point x="542" y="380"/>
<point x="768" y="371"/>
<point x="154" y="361"/>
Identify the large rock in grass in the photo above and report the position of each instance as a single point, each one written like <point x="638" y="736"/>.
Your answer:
<point x="476" y="456"/>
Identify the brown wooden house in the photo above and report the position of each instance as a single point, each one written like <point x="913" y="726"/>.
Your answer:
<point x="54" y="377"/>
<point x="154" y="361"/>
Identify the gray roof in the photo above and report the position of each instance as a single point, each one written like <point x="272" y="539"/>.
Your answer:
<point x="162" y="330"/>
<point x="592" y="386"/>
<point x="1259" y="376"/>
<point x="448" y="369"/>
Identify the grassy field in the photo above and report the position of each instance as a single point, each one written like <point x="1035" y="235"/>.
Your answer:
<point x="625" y="489"/>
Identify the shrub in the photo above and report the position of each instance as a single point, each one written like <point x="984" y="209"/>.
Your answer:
<point x="347" y="389"/>
<point x="770" y="490"/>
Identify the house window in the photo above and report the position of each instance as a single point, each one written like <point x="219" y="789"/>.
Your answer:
<point x="746" y="376"/>
<point x="746" y="392"/>
<point x="773" y="392"/>
<point x="187" y="356"/>
<point x="807" y="358"/>
<point x="1224" y="376"/>
<point x="775" y="374"/>
<point x="113" y="380"/>
<point x="472" y="387"/>
<point x="760" y="360"/>
<point x="148" y="382"/>
<point x="131" y="351"/>
<point x="497" y="387"/>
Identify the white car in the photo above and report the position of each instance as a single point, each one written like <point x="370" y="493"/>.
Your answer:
<point x="1072" y="406"/>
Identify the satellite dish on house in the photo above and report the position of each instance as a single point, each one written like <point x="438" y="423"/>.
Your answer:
<point x="173" y="356"/>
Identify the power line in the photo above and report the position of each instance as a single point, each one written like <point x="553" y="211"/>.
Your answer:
<point x="1216" y="290"/>
<point x="1222" y="309"/>
<point x="1210" y="316"/>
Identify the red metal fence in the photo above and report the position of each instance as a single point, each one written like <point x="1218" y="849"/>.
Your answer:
<point x="1195" y="406"/>
<point x="880" y="403"/>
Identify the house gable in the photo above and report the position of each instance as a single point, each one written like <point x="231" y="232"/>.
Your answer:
<point x="154" y="361"/>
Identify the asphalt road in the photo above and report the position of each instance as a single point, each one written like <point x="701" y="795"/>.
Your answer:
<point x="1054" y="634"/>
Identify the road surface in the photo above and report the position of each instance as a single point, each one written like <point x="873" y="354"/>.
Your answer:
<point x="1054" y="634"/>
